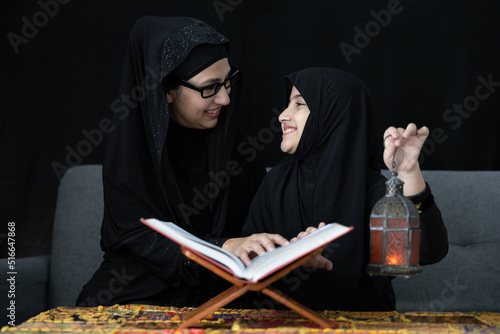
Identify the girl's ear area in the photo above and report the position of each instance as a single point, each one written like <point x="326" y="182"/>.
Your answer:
<point x="170" y="97"/>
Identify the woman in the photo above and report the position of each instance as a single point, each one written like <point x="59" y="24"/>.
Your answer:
<point x="172" y="156"/>
<point x="333" y="175"/>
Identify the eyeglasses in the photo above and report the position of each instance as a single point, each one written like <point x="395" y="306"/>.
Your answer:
<point x="211" y="90"/>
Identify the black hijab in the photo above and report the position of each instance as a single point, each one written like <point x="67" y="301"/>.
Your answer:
<point x="330" y="178"/>
<point x="139" y="180"/>
<point x="151" y="166"/>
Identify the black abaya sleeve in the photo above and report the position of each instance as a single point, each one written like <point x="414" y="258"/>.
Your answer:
<point x="434" y="237"/>
<point x="162" y="258"/>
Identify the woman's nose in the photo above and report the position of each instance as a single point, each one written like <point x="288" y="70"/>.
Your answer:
<point x="222" y="96"/>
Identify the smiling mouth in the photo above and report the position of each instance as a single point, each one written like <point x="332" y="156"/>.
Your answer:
<point x="212" y="113"/>
<point x="289" y="130"/>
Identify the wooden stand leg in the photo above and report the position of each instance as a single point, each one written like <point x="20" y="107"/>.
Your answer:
<point x="293" y="305"/>
<point x="239" y="288"/>
<point x="218" y="301"/>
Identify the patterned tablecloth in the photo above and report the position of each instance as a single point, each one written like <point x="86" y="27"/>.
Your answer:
<point x="153" y="319"/>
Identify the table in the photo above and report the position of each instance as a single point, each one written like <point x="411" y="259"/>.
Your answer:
<point x="143" y="319"/>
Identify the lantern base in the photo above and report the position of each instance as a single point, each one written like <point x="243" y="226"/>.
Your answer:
<point x="386" y="270"/>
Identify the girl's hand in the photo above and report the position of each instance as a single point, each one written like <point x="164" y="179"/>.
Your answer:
<point x="256" y="244"/>
<point x="317" y="261"/>
<point x="409" y="143"/>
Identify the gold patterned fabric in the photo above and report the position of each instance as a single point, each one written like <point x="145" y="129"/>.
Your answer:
<point x="144" y="319"/>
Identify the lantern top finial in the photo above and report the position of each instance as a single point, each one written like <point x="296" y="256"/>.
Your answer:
<point x="394" y="203"/>
<point x="394" y="186"/>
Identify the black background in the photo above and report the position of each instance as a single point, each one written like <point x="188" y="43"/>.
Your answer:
<point x="64" y="75"/>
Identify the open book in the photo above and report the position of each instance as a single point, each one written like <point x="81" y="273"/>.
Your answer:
<point x="262" y="265"/>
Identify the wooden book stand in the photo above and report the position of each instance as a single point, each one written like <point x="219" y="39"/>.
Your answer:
<point x="240" y="287"/>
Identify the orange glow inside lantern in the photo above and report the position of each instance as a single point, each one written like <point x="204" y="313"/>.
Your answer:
<point x="394" y="234"/>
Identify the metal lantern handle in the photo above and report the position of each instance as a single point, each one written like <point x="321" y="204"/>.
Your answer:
<point x="393" y="169"/>
<point x="394" y="160"/>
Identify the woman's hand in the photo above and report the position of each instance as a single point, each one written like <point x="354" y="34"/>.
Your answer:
<point x="317" y="261"/>
<point x="409" y="143"/>
<point x="256" y="244"/>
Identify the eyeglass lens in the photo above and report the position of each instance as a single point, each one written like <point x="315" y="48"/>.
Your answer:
<point x="214" y="89"/>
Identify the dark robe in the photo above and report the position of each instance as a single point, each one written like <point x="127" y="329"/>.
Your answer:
<point x="334" y="176"/>
<point x="156" y="169"/>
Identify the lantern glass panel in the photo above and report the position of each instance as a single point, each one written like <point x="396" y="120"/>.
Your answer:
<point x="377" y="222"/>
<point x="396" y="248"/>
<point x="376" y="253"/>
<point x="397" y="223"/>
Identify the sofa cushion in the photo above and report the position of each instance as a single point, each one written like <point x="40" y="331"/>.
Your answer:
<point x="31" y="283"/>
<point x="468" y="278"/>
<point x="76" y="252"/>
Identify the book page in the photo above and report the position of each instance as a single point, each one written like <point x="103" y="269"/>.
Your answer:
<point x="276" y="259"/>
<point x="261" y="266"/>
<point x="188" y="240"/>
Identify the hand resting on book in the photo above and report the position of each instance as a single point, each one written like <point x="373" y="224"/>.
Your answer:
<point x="318" y="261"/>
<point x="257" y="244"/>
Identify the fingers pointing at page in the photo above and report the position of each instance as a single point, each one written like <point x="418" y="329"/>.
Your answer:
<point x="254" y="245"/>
<point x="308" y="231"/>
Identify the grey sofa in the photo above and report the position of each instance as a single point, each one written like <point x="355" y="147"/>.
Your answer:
<point x="467" y="279"/>
<point x="44" y="282"/>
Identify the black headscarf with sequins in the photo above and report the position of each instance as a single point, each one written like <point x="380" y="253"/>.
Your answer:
<point x="134" y="165"/>
<point x="141" y="181"/>
<point x="330" y="178"/>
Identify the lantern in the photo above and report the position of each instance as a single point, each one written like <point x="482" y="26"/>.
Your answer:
<point x="394" y="233"/>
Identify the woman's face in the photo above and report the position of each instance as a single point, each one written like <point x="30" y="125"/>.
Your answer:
<point x="189" y="109"/>
<point x="293" y="119"/>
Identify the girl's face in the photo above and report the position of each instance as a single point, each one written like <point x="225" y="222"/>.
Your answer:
<point x="189" y="109"/>
<point x="293" y="120"/>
